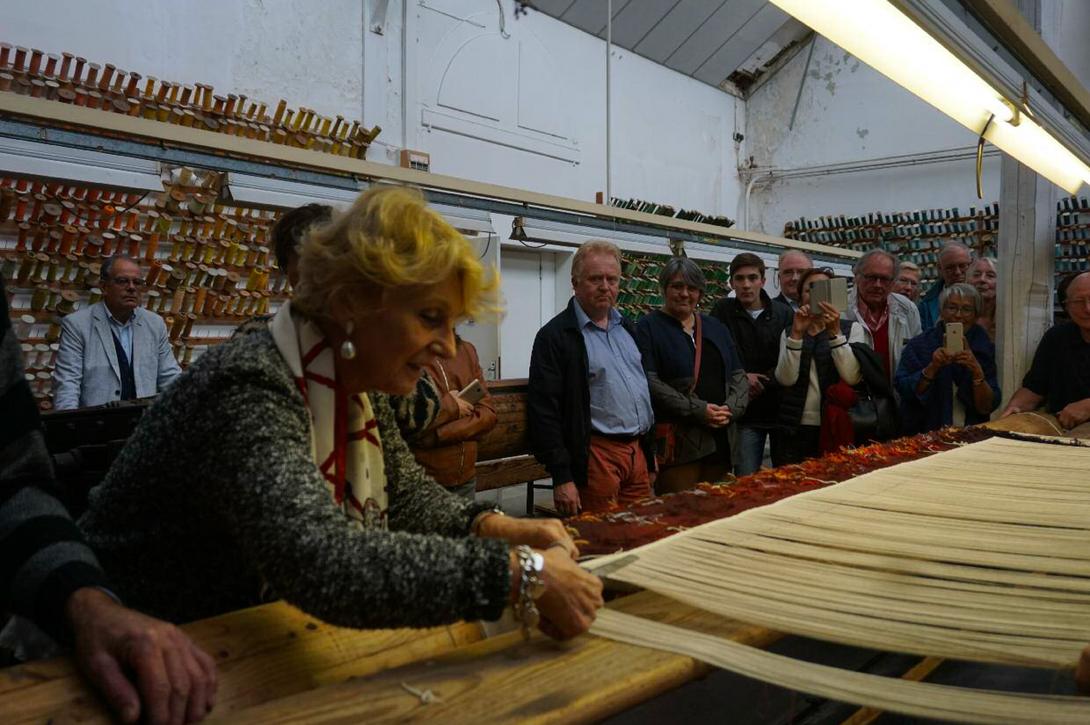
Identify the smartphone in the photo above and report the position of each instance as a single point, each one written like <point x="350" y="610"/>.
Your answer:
<point x="833" y="291"/>
<point x="955" y="338"/>
<point x="472" y="393"/>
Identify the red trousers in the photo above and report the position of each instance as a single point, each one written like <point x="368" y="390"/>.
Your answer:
<point x="616" y="474"/>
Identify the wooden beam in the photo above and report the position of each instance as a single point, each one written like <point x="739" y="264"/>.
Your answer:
<point x="61" y="115"/>
<point x="1012" y="29"/>
<point x="923" y="668"/>
<point x="506" y="680"/>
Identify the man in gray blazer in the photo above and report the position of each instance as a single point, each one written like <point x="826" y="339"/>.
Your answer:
<point x="114" y="349"/>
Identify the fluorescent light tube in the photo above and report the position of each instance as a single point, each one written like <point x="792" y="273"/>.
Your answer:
<point x="886" y="39"/>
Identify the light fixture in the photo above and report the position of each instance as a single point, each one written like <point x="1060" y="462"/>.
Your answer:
<point x="283" y="194"/>
<point x="19" y="157"/>
<point x="889" y="41"/>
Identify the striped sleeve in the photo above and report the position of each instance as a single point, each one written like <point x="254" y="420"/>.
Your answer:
<point x="43" y="556"/>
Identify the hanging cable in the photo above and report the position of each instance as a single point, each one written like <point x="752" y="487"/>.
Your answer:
<point x="980" y="158"/>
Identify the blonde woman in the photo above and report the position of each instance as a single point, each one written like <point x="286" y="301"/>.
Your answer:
<point x="274" y="468"/>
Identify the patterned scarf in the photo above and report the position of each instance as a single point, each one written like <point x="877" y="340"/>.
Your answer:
<point x="344" y="435"/>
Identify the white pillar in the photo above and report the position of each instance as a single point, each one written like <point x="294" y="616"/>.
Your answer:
<point x="1027" y="232"/>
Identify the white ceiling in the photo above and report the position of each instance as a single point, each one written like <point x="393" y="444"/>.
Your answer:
<point x="710" y="40"/>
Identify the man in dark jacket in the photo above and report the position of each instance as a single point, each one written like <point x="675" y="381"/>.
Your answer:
<point x="756" y="323"/>
<point x="589" y="407"/>
<point x="792" y="264"/>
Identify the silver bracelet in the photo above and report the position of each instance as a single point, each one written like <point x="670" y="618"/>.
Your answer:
<point x="531" y="586"/>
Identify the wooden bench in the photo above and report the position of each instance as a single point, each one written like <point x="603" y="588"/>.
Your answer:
<point x="503" y="456"/>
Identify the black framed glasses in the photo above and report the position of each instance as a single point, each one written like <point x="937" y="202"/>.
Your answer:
<point x="136" y="282"/>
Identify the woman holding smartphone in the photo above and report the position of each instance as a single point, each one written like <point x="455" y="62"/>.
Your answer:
<point x="815" y="355"/>
<point x="447" y="449"/>
<point x="947" y="374"/>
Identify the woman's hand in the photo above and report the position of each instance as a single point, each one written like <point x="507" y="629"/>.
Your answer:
<point x="536" y="533"/>
<point x="572" y="597"/>
<point x="939" y="359"/>
<point x="830" y="318"/>
<point x="968" y="360"/>
<point x="801" y="322"/>
<point x="465" y="408"/>
<point x="716" y="416"/>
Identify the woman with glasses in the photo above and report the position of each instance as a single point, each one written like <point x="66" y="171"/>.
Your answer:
<point x="941" y="385"/>
<point x="113" y="349"/>
<point x="815" y="354"/>
<point x="697" y="382"/>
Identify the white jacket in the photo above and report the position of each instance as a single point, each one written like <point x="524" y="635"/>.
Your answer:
<point x="904" y="324"/>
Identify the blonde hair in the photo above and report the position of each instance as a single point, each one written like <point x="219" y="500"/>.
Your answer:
<point x="594" y="246"/>
<point x="388" y="238"/>
<point x="910" y="265"/>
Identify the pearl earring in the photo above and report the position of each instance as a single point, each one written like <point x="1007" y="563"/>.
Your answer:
<point x="348" y="348"/>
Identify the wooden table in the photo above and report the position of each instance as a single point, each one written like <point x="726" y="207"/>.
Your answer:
<point x="277" y="664"/>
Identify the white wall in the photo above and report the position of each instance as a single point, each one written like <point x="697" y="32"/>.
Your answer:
<point x="1064" y="26"/>
<point x="307" y="52"/>
<point x="525" y="110"/>
<point x="848" y="112"/>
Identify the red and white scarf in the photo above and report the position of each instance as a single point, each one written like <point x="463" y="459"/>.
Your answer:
<point x="344" y="435"/>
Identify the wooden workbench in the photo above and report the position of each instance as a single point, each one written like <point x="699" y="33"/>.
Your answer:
<point x="277" y="664"/>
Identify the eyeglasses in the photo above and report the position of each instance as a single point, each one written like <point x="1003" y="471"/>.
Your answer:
<point x="959" y="309"/>
<point x="129" y="281"/>
<point x="877" y="278"/>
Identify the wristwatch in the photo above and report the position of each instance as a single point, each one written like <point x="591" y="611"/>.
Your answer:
<point x="531" y="587"/>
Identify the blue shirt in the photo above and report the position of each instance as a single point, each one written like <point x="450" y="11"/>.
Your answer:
<point x="620" y="403"/>
<point x="123" y="332"/>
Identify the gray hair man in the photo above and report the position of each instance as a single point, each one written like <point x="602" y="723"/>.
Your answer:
<point x="888" y="319"/>
<point x="954" y="261"/>
<point x="114" y="349"/>
<point x="589" y="411"/>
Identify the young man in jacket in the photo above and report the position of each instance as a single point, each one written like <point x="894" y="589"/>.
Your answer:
<point x="589" y="407"/>
<point x="755" y="322"/>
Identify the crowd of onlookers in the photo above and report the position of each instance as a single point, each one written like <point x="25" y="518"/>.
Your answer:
<point x="326" y="455"/>
<point x="684" y="396"/>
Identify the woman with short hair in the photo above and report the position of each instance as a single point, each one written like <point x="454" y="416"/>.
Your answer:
<point x="697" y="382"/>
<point x="274" y="468"/>
<point x="940" y="387"/>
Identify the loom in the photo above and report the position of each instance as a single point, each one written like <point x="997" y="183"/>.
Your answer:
<point x="978" y="553"/>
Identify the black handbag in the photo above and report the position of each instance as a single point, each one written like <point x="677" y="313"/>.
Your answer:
<point x="874" y="417"/>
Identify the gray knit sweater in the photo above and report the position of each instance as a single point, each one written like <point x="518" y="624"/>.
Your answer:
<point x="215" y="499"/>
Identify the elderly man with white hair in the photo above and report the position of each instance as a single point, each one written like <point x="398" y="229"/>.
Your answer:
<point x="954" y="261"/>
<point x="888" y="319"/>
